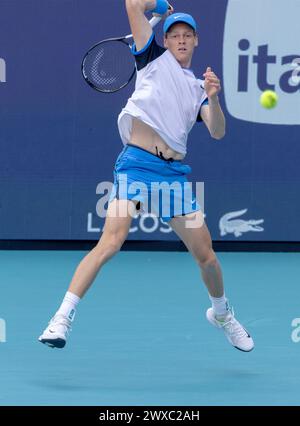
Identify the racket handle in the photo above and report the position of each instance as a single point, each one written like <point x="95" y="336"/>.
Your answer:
<point x="155" y="20"/>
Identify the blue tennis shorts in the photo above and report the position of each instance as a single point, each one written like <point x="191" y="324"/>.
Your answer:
<point x="160" y="186"/>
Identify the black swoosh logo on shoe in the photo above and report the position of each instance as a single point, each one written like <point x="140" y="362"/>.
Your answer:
<point x="248" y="335"/>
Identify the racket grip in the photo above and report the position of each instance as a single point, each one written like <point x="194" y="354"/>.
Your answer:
<point x="155" y="20"/>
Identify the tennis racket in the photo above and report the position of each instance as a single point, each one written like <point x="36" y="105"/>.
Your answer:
<point x="109" y="65"/>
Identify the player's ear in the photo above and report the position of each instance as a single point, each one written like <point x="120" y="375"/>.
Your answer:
<point x="196" y="40"/>
<point x="166" y="41"/>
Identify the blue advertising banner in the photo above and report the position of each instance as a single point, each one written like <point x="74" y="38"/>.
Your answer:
<point x="59" y="138"/>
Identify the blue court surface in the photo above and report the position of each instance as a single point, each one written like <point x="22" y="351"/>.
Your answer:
<point x="140" y="336"/>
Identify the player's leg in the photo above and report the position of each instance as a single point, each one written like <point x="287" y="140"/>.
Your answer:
<point x="117" y="225"/>
<point x="115" y="231"/>
<point x="193" y="231"/>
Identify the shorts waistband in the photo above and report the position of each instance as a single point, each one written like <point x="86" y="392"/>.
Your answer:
<point x="160" y="157"/>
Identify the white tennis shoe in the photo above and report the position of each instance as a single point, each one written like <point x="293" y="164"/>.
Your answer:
<point x="236" y="334"/>
<point x="59" y="327"/>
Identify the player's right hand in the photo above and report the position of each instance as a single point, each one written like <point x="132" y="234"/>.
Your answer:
<point x="169" y="12"/>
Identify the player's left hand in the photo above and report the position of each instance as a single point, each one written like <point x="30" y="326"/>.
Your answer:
<point x="212" y="83"/>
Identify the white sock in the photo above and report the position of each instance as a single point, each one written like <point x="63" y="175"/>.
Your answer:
<point x="68" y="306"/>
<point x="219" y="305"/>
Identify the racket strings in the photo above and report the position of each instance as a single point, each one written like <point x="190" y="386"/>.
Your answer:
<point x="98" y="72"/>
<point x="109" y="66"/>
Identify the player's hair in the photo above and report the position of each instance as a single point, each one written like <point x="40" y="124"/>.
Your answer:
<point x="194" y="31"/>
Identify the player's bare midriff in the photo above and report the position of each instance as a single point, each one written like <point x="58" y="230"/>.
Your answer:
<point x="145" y="137"/>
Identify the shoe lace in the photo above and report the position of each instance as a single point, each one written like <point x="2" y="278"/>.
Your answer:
<point x="62" y="321"/>
<point x="232" y="326"/>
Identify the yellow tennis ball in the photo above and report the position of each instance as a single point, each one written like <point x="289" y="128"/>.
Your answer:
<point x="269" y="99"/>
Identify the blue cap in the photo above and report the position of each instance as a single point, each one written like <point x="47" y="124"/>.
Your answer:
<point x="179" y="17"/>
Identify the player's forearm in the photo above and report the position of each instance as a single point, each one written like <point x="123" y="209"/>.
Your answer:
<point x="216" y="118"/>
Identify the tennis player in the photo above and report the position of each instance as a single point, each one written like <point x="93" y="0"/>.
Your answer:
<point x="154" y="126"/>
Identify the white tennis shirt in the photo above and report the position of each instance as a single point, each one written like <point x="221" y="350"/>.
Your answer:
<point x="167" y="97"/>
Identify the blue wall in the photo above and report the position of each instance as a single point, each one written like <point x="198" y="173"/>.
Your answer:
<point x="59" y="138"/>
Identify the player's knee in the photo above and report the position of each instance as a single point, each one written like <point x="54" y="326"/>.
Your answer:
<point x="207" y="260"/>
<point x="111" y="246"/>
